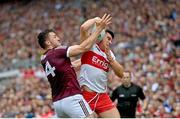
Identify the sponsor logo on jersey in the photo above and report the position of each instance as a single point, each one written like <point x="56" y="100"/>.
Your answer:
<point x="103" y="63"/>
<point x="95" y="60"/>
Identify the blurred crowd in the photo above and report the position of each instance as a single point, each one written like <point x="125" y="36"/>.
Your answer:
<point x="26" y="98"/>
<point x="147" y="43"/>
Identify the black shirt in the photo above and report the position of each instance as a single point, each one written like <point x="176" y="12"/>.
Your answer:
<point x="127" y="99"/>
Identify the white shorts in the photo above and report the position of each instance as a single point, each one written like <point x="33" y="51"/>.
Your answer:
<point x="74" y="107"/>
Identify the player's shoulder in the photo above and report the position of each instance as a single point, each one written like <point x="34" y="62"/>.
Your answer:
<point x="45" y="54"/>
<point x="43" y="57"/>
<point x="61" y="47"/>
<point x="94" y="47"/>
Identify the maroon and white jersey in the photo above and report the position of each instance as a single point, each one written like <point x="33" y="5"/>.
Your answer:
<point x="60" y="73"/>
<point x="94" y="69"/>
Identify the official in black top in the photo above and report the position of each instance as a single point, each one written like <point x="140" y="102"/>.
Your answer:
<point x="127" y="95"/>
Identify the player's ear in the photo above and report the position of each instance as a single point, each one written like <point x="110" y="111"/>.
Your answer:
<point x="47" y="42"/>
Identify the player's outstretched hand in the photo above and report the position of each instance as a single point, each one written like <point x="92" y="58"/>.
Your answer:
<point x="105" y="20"/>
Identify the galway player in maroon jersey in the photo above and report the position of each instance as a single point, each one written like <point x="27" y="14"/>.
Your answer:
<point x="66" y="93"/>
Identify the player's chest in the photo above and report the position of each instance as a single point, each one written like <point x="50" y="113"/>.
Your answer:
<point x="96" y="59"/>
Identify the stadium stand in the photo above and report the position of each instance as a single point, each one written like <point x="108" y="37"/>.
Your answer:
<point x="147" y="43"/>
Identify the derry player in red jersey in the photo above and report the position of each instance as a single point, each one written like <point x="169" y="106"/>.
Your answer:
<point x="66" y="93"/>
<point x="95" y="65"/>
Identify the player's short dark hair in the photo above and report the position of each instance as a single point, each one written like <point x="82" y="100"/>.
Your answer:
<point x="42" y="37"/>
<point x="110" y="32"/>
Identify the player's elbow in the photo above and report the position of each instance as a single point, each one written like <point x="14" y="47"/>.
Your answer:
<point x="119" y="73"/>
<point x="82" y="28"/>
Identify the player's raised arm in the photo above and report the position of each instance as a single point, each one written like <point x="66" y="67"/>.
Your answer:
<point x="87" y="44"/>
<point x="85" y="27"/>
<point x="116" y="67"/>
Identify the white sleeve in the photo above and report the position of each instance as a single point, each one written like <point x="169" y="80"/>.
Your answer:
<point x="67" y="53"/>
<point x="93" y="48"/>
<point x="112" y="55"/>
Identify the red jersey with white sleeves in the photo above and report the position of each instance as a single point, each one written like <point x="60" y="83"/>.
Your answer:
<point x="94" y="69"/>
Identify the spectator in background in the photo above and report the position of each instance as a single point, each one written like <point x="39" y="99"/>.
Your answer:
<point x="26" y="98"/>
<point x="127" y="95"/>
<point x="173" y="14"/>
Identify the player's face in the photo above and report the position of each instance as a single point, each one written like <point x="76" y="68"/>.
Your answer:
<point x="54" y="39"/>
<point x="107" y="38"/>
<point x="126" y="80"/>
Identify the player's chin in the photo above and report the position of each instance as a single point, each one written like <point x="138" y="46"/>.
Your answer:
<point x="59" y="44"/>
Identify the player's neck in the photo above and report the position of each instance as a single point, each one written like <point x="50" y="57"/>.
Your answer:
<point x="100" y="46"/>
<point x="49" y="47"/>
